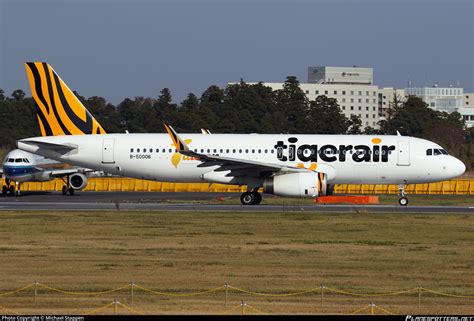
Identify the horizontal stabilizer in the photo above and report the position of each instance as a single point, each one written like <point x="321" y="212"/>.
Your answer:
<point x="60" y="148"/>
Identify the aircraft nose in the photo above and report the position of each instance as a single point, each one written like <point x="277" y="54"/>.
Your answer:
<point x="457" y="168"/>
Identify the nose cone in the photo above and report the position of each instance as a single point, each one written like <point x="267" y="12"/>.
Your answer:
<point x="456" y="167"/>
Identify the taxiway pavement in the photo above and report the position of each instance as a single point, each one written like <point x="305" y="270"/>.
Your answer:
<point x="197" y="202"/>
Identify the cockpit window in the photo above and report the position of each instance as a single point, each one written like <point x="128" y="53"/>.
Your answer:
<point x="11" y="160"/>
<point x="18" y="160"/>
<point x="436" y="152"/>
<point x="25" y="160"/>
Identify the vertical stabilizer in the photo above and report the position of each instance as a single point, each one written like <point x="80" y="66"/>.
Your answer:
<point x="59" y="111"/>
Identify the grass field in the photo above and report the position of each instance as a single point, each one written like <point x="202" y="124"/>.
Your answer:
<point x="182" y="252"/>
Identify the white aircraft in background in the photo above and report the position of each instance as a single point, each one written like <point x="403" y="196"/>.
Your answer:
<point x="20" y="166"/>
<point x="285" y="165"/>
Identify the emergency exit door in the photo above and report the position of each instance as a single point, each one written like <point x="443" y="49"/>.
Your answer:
<point x="108" y="151"/>
<point x="403" y="153"/>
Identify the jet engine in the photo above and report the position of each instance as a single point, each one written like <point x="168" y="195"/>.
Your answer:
<point x="78" y="181"/>
<point x="310" y="184"/>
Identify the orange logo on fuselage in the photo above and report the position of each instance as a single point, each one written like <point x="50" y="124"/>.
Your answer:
<point x="312" y="167"/>
<point x="176" y="157"/>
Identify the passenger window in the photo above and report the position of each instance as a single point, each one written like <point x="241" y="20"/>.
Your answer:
<point x="253" y="151"/>
<point x="429" y="152"/>
<point x="164" y="150"/>
<point x="266" y="151"/>
<point x="208" y="151"/>
<point x="170" y="150"/>
<point x="227" y="151"/>
<point x="131" y="150"/>
<point x="215" y="150"/>
<point x="240" y="151"/>
<point x="221" y="151"/>
<point x="246" y="151"/>
<point x="259" y="151"/>
<point x="272" y="151"/>
<point x="157" y="150"/>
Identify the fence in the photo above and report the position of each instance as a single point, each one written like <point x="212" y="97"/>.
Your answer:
<point x="110" y="184"/>
<point x="319" y="295"/>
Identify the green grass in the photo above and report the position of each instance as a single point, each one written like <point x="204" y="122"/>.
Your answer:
<point x="183" y="252"/>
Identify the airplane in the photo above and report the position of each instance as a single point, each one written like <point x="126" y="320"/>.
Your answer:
<point x="291" y="165"/>
<point x="20" y="166"/>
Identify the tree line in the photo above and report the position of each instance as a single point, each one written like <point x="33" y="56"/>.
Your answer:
<point x="247" y="108"/>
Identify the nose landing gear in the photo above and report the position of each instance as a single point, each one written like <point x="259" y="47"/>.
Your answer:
<point x="18" y="189"/>
<point x="403" y="201"/>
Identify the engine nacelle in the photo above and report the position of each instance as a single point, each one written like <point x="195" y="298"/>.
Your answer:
<point x="78" y="181"/>
<point x="310" y="184"/>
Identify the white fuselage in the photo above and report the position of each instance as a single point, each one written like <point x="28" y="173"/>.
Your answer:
<point x="21" y="166"/>
<point x="346" y="158"/>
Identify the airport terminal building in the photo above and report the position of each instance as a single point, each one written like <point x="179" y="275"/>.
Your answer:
<point x="352" y="87"/>
<point x="356" y="94"/>
<point x="448" y="99"/>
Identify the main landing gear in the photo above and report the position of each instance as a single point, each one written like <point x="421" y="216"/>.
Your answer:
<point x="9" y="189"/>
<point x="251" y="198"/>
<point x="67" y="187"/>
<point x="403" y="201"/>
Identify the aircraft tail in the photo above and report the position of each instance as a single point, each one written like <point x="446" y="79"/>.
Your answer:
<point x="58" y="109"/>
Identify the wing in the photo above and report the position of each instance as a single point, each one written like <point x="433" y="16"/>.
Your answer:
<point x="64" y="172"/>
<point x="241" y="167"/>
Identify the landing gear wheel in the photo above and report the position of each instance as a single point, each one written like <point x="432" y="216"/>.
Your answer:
<point x="64" y="190"/>
<point x="4" y="190"/>
<point x="258" y="198"/>
<point x="247" y="198"/>
<point x="11" y="189"/>
<point x="71" y="191"/>
<point x="403" y="201"/>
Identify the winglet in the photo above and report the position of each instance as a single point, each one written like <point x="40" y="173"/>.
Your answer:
<point x="177" y="141"/>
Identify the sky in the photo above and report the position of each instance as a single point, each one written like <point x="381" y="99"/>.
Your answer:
<point x="128" y="48"/>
